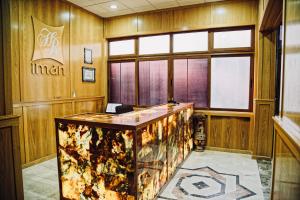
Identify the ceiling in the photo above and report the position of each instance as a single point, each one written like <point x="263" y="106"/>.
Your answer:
<point x="110" y="8"/>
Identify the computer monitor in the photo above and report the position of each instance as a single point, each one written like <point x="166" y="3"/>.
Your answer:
<point x="111" y="107"/>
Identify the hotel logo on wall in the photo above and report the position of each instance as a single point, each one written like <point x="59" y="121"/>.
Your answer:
<point x="47" y="57"/>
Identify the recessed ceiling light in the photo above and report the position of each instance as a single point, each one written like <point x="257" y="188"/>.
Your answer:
<point x="113" y="6"/>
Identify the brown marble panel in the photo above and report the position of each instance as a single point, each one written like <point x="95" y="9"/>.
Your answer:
<point x="152" y="158"/>
<point x="95" y="163"/>
<point x="188" y="132"/>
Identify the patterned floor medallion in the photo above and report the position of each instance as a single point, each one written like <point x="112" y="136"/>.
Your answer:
<point x="206" y="182"/>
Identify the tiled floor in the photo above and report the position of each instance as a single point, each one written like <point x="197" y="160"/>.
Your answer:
<point x="265" y="171"/>
<point x="207" y="175"/>
<point x="41" y="181"/>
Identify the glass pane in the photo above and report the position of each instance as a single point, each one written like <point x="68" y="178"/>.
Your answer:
<point x="230" y="79"/>
<point x="128" y="83"/>
<point x="158" y="82"/>
<point x="186" y="42"/>
<point x="153" y="82"/>
<point x="154" y="44"/>
<point x="114" y="83"/>
<point x="190" y="81"/>
<point x="144" y="83"/>
<point x="291" y="90"/>
<point x="232" y="39"/>
<point x="123" y="47"/>
<point x="180" y="80"/>
<point x="197" y="82"/>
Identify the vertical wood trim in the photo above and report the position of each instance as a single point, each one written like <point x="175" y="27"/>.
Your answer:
<point x="21" y="27"/>
<point x="273" y="164"/>
<point x="208" y="128"/>
<point x="7" y="57"/>
<point x="2" y="87"/>
<point x="136" y="82"/>
<point x="25" y="125"/>
<point x="17" y="163"/>
<point x="137" y="71"/>
<point x="283" y="59"/>
<point x="251" y="134"/>
<point x="72" y="78"/>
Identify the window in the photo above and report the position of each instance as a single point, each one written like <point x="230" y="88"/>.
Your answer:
<point x="212" y="68"/>
<point x="122" y="83"/>
<point x="154" y="44"/>
<point x="122" y="47"/>
<point x="153" y="82"/>
<point x="188" y="42"/>
<point x="190" y="81"/>
<point x="232" y="39"/>
<point x="230" y="82"/>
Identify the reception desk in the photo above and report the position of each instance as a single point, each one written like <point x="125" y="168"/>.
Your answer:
<point x="126" y="156"/>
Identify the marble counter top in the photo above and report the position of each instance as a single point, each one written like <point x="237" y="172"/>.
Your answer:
<point x="133" y="119"/>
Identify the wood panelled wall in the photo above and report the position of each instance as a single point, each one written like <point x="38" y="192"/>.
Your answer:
<point x="2" y="99"/>
<point x="203" y="16"/>
<point x="265" y="94"/>
<point x="11" y="184"/>
<point x="37" y="129"/>
<point x="37" y="98"/>
<point x="81" y="30"/>
<point x="264" y="88"/>
<point x="6" y="59"/>
<point x="229" y="131"/>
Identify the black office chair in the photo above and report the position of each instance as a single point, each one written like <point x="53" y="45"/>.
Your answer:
<point x="124" y="109"/>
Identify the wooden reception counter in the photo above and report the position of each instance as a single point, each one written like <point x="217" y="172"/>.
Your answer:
<point x="126" y="156"/>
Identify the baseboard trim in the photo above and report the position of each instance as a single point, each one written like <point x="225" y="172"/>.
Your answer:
<point x="29" y="164"/>
<point x="257" y="157"/>
<point x="229" y="150"/>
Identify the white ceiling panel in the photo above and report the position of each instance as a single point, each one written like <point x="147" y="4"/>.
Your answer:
<point x="119" y="5"/>
<point x="82" y="3"/>
<point x="135" y="3"/>
<point x="98" y="10"/>
<point x="164" y="4"/>
<point x="118" y="13"/>
<point x="144" y="8"/>
<point x="110" y="8"/>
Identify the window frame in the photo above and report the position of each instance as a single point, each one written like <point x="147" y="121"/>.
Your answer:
<point x="191" y="52"/>
<point x="155" y="54"/>
<point x="208" y="75"/>
<point x="123" y="55"/>
<point x="168" y="78"/>
<point x="250" y="105"/>
<point x="233" y="49"/>
<point x="224" y="52"/>
<point x="109" y="72"/>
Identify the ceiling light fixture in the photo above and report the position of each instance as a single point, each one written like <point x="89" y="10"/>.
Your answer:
<point x="113" y="6"/>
